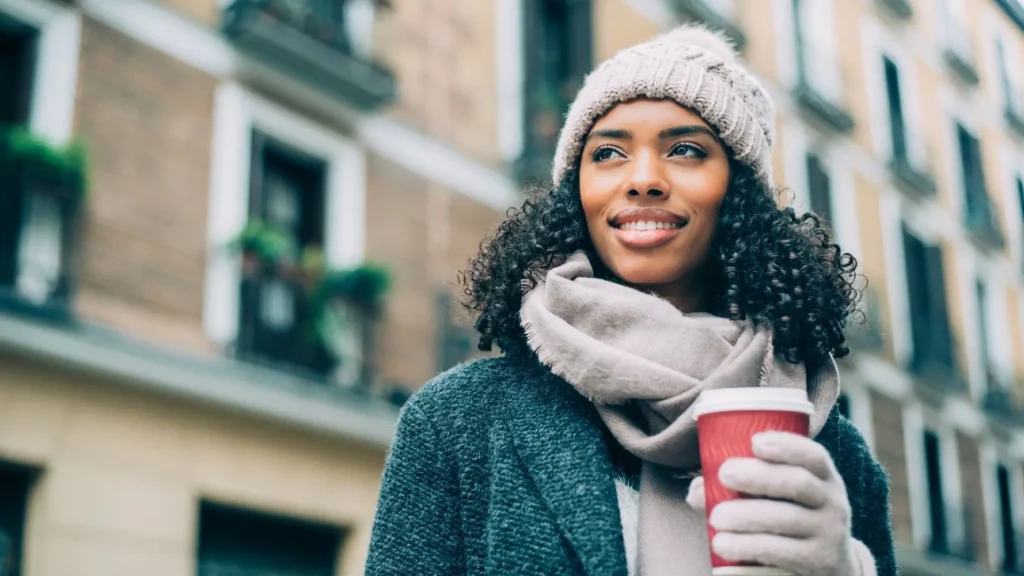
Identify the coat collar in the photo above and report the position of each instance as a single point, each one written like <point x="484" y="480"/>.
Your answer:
<point x="557" y="433"/>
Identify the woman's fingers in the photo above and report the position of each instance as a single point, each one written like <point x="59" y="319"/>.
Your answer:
<point x="760" y="479"/>
<point x="695" y="497"/>
<point x="767" y="549"/>
<point x="753" y="516"/>
<point x="794" y="450"/>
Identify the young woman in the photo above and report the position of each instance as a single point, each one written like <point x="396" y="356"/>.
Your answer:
<point x="658" y="266"/>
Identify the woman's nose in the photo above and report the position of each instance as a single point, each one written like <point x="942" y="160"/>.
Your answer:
<point x="646" y="176"/>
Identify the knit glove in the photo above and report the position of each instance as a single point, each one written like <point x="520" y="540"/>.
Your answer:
<point x="796" y="515"/>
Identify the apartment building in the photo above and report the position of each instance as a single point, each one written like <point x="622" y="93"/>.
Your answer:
<point x="163" y="409"/>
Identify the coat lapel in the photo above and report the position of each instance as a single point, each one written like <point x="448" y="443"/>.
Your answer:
<point x="557" y="434"/>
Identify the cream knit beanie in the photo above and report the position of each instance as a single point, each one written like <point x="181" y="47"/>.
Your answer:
<point x="693" y="66"/>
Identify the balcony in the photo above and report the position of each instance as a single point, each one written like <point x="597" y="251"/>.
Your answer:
<point x="42" y="188"/>
<point x="958" y="53"/>
<point x="937" y="368"/>
<point x="310" y="41"/>
<point x="980" y="220"/>
<point x="998" y="403"/>
<point x="819" y="86"/>
<point x="914" y="175"/>
<point x="899" y="8"/>
<point x="716" y="14"/>
<point x="303" y="318"/>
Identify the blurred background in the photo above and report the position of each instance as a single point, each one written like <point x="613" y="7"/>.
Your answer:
<point x="230" y="232"/>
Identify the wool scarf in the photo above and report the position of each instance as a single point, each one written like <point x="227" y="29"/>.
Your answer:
<point x="643" y="363"/>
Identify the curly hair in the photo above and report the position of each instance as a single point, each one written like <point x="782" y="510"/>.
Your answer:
<point x="768" y="264"/>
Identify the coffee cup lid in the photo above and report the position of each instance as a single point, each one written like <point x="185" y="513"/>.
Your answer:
<point x="751" y="399"/>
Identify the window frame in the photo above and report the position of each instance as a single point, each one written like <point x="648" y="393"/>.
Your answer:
<point x="237" y="112"/>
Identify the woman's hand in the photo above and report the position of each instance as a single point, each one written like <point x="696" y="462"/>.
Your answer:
<point x="796" y="516"/>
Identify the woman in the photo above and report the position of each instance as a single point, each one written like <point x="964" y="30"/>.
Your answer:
<point x="657" y="267"/>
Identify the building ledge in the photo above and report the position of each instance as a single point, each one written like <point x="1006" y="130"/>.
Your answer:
<point x="219" y="382"/>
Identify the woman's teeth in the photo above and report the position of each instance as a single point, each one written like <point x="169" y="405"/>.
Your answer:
<point x="640" y="226"/>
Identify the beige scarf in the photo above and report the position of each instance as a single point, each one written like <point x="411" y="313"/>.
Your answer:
<point x="618" y="345"/>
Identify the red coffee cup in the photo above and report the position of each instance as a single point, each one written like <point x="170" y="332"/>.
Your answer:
<point x="727" y="421"/>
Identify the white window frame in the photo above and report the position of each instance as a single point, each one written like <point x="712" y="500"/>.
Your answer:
<point x="878" y="44"/>
<point x="858" y="393"/>
<point x="237" y="113"/>
<point x="917" y="419"/>
<point x="958" y="112"/>
<point x="510" y="67"/>
<point x="996" y="323"/>
<point x="51" y="112"/>
<point x="892" y="218"/>
<point x="799" y="140"/>
<point x="992" y="455"/>
<point x="1012" y="163"/>
<point x="1001" y="33"/>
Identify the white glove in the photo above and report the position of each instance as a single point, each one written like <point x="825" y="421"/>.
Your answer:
<point x="796" y="516"/>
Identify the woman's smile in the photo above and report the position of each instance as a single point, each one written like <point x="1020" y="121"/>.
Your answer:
<point x="647" y="228"/>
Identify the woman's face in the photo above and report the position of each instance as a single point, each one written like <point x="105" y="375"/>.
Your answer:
<point x="652" y="177"/>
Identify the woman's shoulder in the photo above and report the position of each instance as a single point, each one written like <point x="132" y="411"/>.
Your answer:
<point x="471" y="386"/>
<point x="850" y="451"/>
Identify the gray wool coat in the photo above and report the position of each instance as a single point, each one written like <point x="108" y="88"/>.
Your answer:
<point x="500" y="467"/>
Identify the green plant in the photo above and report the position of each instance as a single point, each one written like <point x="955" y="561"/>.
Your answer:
<point x="363" y="287"/>
<point x="267" y="243"/>
<point x="66" y="163"/>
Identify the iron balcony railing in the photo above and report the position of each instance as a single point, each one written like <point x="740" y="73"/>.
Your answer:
<point x="40" y="207"/>
<point x="913" y="163"/>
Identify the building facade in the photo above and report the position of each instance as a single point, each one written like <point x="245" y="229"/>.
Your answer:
<point x="177" y="398"/>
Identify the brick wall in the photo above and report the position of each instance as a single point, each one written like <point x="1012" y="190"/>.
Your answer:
<point x="887" y="419"/>
<point x="424" y="234"/>
<point x="971" y="488"/>
<point x="147" y="119"/>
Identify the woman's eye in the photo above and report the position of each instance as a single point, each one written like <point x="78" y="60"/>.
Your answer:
<point x="687" y="151"/>
<point x="605" y="153"/>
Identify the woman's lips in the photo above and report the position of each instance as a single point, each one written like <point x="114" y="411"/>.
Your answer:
<point x="645" y="239"/>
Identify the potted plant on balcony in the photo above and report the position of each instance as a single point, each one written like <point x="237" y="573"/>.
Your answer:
<point x="346" y="304"/>
<point x="263" y="247"/>
<point x="45" y="168"/>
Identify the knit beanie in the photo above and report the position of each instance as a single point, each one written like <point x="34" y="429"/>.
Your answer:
<point x="693" y="66"/>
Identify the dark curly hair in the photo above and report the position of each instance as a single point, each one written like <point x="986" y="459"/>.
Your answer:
<point x="768" y="264"/>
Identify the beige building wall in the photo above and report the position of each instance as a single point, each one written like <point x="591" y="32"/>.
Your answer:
<point x="122" y="473"/>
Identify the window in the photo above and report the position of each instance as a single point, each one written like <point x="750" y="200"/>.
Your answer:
<point x="939" y="542"/>
<point x="897" y="123"/>
<point x="819" y="187"/>
<point x="818" y="61"/>
<point x="558" y="56"/>
<point x="1010" y="553"/>
<point x="981" y="295"/>
<point x="38" y="59"/>
<point x="14" y="487"/>
<point x="17" y="48"/>
<point x="978" y="212"/>
<point x="929" y="319"/>
<point x="286" y="193"/>
<point x="236" y="542"/>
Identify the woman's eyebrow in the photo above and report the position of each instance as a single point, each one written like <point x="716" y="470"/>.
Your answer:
<point x="612" y="134"/>
<point x="678" y="131"/>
